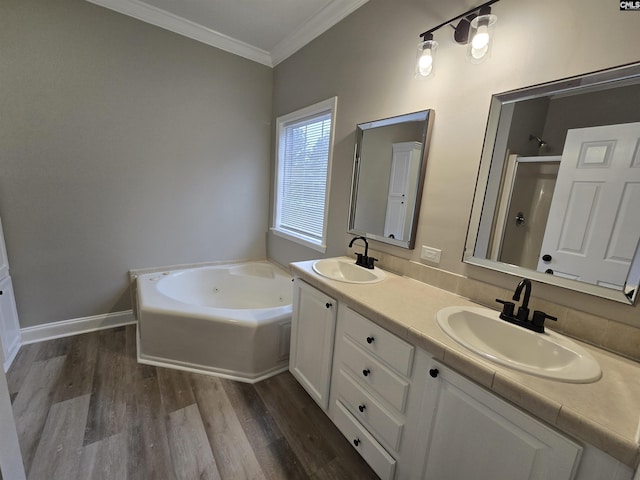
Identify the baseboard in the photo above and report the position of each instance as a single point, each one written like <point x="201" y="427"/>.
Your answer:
<point x="75" y="326"/>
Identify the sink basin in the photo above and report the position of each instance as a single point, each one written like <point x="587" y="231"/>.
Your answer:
<point x="347" y="271"/>
<point x="548" y="354"/>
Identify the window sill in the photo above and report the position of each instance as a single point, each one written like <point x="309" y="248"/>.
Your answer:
<point x="300" y="240"/>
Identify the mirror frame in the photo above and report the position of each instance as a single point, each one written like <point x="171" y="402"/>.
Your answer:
<point x="423" y="115"/>
<point x="625" y="74"/>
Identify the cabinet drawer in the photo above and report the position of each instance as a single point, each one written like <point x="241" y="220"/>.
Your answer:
<point x="375" y="339"/>
<point x="380" y="461"/>
<point x="368" y="410"/>
<point x="375" y="375"/>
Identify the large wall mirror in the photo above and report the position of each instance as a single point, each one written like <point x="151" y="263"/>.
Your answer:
<point x="388" y="176"/>
<point x="559" y="185"/>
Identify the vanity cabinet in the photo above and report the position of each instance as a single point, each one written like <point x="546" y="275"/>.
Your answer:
<point x="312" y="331"/>
<point x="376" y="390"/>
<point x="411" y="417"/>
<point x="474" y="434"/>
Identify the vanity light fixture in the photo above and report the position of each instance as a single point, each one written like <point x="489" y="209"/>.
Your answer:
<point x="474" y="29"/>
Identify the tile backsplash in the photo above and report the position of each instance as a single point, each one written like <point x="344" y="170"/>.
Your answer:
<point x="605" y="333"/>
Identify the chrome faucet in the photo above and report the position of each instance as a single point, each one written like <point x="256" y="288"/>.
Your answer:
<point x="363" y="260"/>
<point x="522" y="318"/>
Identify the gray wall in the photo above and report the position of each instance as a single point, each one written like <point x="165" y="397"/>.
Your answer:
<point x="121" y="146"/>
<point x="367" y="60"/>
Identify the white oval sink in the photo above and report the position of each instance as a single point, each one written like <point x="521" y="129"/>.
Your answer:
<point x="548" y="354"/>
<point x="347" y="271"/>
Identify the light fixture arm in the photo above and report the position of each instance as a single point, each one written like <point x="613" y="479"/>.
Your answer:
<point x="474" y="12"/>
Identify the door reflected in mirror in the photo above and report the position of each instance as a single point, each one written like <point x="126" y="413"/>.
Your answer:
<point x="388" y="175"/>
<point x="559" y="185"/>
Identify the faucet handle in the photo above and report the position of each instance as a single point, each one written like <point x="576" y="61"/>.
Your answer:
<point x="539" y="318"/>
<point x="507" y="308"/>
<point x="370" y="261"/>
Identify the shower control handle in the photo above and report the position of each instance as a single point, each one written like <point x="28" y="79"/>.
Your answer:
<point x="366" y="372"/>
<point x="356" y="442"/>
<point x="370" y="340"/>
<point x="328" y="304"/>
<point x="362" y="407"/>
<point x="434" y="372"/>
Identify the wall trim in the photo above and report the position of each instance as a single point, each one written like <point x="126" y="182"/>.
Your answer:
<point x="334" y="12"/>
<point x="75" y="326"/>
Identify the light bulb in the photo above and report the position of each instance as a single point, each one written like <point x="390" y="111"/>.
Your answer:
<point x="482" y="27"/>
<point x="425" y="63"/>
<point x="481" y="38"/>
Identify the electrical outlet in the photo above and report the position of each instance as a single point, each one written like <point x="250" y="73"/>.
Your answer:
<point x="430" y="254"/>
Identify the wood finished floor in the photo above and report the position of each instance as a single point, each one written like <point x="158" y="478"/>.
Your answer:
<point x="85" y="409"/>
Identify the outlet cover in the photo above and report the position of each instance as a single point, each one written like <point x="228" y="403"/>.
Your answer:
<point x="430" y="254"/>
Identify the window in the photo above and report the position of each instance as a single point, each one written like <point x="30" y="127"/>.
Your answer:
<point x="304" y="146"/>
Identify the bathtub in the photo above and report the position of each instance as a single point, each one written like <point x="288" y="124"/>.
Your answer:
<point x="231" y="320"/>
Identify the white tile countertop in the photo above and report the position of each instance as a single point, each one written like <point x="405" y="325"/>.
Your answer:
<point x="605" y="413"/>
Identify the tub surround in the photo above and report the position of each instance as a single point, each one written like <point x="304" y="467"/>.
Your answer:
<point x="604" y="414"/>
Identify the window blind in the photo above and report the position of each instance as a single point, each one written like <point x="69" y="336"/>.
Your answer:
<point x="304" y="164"/>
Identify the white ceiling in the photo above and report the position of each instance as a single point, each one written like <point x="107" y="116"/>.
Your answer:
<point x="265" y="31"/>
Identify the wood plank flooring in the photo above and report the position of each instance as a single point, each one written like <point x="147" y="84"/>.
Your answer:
<point x="85" y="409"/>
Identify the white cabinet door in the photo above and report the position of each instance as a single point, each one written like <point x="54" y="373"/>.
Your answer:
<point x="312" y="333"/>
<point x="473" y="434"/>
<point x="9" y="324"/>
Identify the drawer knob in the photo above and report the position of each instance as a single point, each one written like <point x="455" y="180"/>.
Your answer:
<point x="370" y="340"/>
<point x="366" y="372"/>
<point x="362" y="408"/>
<point x="328" y="304"/>
<point x="356" y="442"/>
<point x="434" y="372"/>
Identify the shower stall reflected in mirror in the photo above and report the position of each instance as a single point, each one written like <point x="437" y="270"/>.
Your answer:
<point x="521" y="216"/>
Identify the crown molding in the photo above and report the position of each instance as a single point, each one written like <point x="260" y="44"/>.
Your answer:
<point x="318" y="24"/>
<point x="168" y="21"/>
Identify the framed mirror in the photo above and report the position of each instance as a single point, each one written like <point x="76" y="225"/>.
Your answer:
<point x="388" y="176"/>
<point x="559" y="185"/>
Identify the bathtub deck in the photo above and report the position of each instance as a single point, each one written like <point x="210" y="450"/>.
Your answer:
<point x="85" y="409"/>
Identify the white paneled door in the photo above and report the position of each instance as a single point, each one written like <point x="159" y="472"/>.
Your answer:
<point x="593" y="227"/>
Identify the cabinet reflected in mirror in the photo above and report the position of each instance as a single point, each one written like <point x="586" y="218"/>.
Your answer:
<point x="388" y="176"/>
<point x="559" y="185"/>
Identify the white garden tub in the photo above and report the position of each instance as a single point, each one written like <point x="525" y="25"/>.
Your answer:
<point x="229" y="320"/>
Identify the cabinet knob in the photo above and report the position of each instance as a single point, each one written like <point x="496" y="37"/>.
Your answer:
<point x="356" y="442"/>
<point x="546" y="257"/>
<point x="328" y="304"/>
<point x="370" y="340"/>
<point x="366" y="372"/>
<point x="362" y="408"/>
<point x="0" y="292"/>
<point x="434" y="372"/>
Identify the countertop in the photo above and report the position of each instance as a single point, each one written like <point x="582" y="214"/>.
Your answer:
<point x="605" y="413"/>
